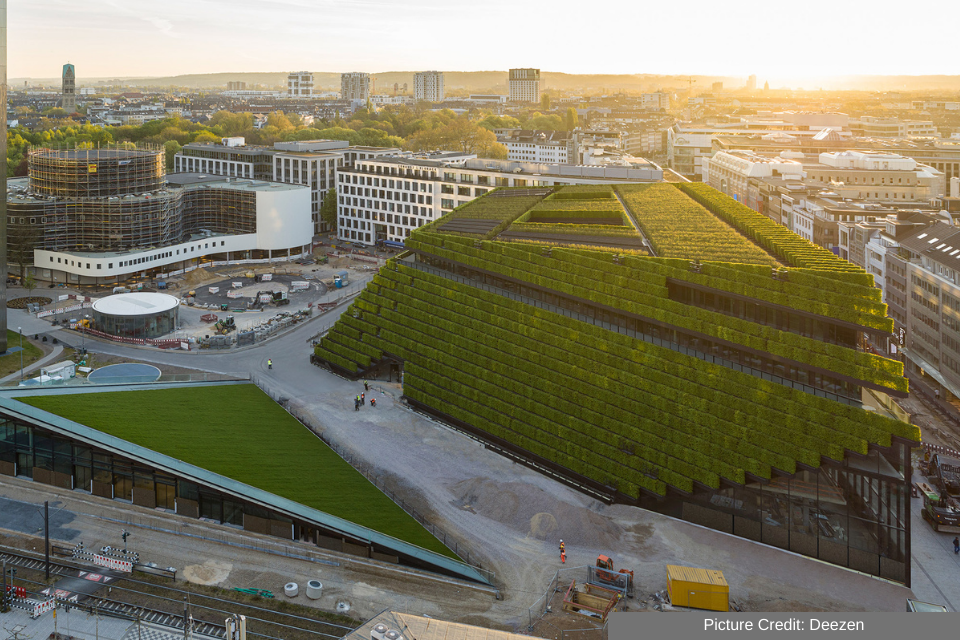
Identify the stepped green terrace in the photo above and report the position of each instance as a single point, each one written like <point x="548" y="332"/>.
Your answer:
<point x="716" y="376"/>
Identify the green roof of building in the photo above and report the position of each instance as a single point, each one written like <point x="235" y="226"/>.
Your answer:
<point x="236" y="439"/>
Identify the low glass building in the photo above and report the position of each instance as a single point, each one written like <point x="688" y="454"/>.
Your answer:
<point x="136" y="315"/>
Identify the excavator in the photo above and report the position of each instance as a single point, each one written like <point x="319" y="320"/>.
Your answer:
<point x="606" y="575"/>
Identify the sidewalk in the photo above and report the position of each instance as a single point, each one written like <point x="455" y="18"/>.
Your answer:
<point x="50" y="357"/>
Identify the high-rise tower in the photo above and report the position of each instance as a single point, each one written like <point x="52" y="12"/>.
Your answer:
<point x="69" y="101"/>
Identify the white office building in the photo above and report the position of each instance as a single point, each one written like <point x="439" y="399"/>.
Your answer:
<point x="312" y="163"/>
<point x="655" y="101"/>
<point x="428" y="86"/>
<point x="545" y="147"/>
<point x="269" y="220"/>
<point x="524" y="85"/>
<point x="386" y="199"/>
<point x="355" y="86"/>
<point x="730" y="171"/>
<point x="300" y="84"/>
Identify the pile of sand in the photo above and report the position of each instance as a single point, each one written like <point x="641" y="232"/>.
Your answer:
<point x="196" y="277"/>
<point x="536" y="513"/>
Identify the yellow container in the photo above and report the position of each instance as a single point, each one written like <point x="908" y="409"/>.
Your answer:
<point x="698" y="588"/>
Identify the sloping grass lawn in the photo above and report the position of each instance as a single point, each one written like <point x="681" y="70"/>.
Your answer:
<point x="11" y="363"/>
<point x="239" y="432"/>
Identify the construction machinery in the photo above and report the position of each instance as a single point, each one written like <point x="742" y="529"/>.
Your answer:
<point x="606" y="576"/>
<point x="947" y="472"/>
<point x="280" y="298"/>
<point x="940" y="510"/>
<point x="225" y="326"/>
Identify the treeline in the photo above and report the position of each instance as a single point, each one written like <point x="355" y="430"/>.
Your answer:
<point x="412" y="128"/>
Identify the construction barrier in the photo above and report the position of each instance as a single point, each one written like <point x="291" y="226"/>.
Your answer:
<point x="163" y="343"/>
<point x="226" y="263"/>
<point x="17" y="592"/>
<point x="35" y="608"/>
<point x="41" y="608"/>
<point x="73" y="307"/>
<point x="112" y="563"/>
<point x="936" y="448"/>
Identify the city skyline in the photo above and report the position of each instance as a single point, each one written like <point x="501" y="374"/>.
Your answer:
<point x="102" y="38"/>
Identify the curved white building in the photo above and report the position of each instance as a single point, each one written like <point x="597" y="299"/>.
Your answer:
<point x="136" y="315"/>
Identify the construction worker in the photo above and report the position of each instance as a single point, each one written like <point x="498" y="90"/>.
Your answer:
<point x="373" y="402"/>
<point x="563" y="557"/>
<point x="562" y="546"/>
<point x="356" y="404"/>
<point x="363" y="398"/>
<point x="366" y="386"/>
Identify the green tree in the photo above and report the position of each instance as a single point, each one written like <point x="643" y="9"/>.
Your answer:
<point x="492" y="122"/>
<point x="545" y="102"/>
<point x="328" y="210"/>
<point x="172" y="148"/>
<point x="232" y="124"/>
<point x="538" y="121"/>
<point x="207" y="136"/>
<point x="572" y="120"/>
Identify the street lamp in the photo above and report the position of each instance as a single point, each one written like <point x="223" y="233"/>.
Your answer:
<point x="20" y="331"/>
<point x="83" y="347"/>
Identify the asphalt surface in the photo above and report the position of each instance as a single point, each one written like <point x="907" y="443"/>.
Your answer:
<point x="28" y="518"/>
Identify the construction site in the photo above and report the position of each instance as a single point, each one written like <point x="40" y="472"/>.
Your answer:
<point x="108" y="199"/>
<point x="91" y="216"/>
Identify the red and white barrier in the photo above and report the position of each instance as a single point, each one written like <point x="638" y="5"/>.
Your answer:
<point x="41" y="608"/>
<point x="112" y="563"/>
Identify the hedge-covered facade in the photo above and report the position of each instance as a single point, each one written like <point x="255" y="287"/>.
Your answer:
<point x="725" y="393"/>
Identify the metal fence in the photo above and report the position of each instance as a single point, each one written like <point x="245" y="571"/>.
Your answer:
<point x="552" y="601"/>
<point x="298" y="411"/>
<point x="553" y="596"/>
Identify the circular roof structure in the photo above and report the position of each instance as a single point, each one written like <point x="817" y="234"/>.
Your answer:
<point x="125" y="372"/>
<point x="135" y="304"/>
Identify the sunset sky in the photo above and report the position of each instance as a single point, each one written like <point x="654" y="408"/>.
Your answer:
<point x="779" y="42"/>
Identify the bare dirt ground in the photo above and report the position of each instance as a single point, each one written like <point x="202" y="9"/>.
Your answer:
<point x="512" y="518"/>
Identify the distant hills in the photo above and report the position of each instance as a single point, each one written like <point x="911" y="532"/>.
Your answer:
<point x="496" y="82"/>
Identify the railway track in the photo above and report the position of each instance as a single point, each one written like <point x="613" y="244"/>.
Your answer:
<point x="115" y="608"/>
<point x="257" y="627"/>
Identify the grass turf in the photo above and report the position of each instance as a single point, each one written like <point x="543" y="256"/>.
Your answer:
<point x="11" y="363"/>
<point x="239" y="432"/>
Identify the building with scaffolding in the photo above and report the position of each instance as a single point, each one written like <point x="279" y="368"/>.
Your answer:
<point x="92" y="216"/>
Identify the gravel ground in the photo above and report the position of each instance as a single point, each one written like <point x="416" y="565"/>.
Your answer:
<point x="512" y="518"/>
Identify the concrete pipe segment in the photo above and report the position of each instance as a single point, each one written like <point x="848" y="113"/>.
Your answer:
<point x="291" y="589"/>
<point x="314" y="589"/>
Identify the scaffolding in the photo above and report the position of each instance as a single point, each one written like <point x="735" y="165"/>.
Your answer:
<point x="104" y="172"/>
<point x="116" y="200"/>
